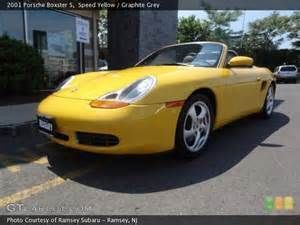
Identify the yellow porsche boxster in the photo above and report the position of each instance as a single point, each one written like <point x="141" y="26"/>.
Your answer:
<point x="171" y="100"/>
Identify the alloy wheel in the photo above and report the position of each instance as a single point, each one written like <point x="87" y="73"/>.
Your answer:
<point x="270" y="101"/>
<point x="197" y="126"/>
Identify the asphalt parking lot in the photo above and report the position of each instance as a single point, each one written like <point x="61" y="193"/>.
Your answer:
<point x="247" y="161"/>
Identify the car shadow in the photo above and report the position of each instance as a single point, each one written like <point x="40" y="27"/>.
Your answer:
<point x="145" y="174"/>
<point x="277" y="103"/>
<point x="21" y="146"/>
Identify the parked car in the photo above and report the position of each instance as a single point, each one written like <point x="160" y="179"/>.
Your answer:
<point x="102" y="65"/>
<point x="171" y="100"/>
<point x="286" y="73"/>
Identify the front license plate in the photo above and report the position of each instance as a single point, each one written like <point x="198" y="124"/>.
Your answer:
<point x="45" y="125"/>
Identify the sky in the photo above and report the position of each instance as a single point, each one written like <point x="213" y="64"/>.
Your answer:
<point x="249" y="16"/>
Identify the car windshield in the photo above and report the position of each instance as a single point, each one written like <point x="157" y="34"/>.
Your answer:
<point x="199" y="54"/>
<point x="288" y="68"/>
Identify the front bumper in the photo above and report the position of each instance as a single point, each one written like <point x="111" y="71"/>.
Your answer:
<point x="292" y="77"/>
<point x="141" y="129"/>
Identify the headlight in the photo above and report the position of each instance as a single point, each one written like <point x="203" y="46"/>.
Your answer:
<point x="133" y="92"/>
<point x="123" y="97"/>
<point x="65" y="83"/>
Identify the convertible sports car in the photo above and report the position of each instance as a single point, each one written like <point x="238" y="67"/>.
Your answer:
<point x="171" y="100"/>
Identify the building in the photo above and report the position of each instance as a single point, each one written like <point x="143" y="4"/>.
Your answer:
<point x="132" y="34"/>
<point x="53" y="33"/>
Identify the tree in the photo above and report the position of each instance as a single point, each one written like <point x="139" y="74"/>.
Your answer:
<point x="264" y="37"/>
<point x="192" y="29"/>
<point x="267" y="33"/>
<point x="261" y="40"/>
<point x="222" y="19"/>
<point x="102" y="28"/>
<point x="220" y="22"/>
<point x="21" y="67"/>
<point x="294" y="29"/>
<point x="215" y="28"/>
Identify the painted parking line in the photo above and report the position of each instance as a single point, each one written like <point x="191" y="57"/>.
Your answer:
<point x="25" y="156"/>
<point x="34" y="158"/>
<point x="14" y="158"/>
<point x="27" y="193"/>
<point x="41" y="161"/>
<point x="9" y="165"/>
<point x="9" y="162"/>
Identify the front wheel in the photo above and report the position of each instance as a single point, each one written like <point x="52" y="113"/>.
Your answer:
<point x="194" y="126"/>
<point x="269" y="103"/>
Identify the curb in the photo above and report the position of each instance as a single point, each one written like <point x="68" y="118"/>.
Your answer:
<point x="14" y="129"/>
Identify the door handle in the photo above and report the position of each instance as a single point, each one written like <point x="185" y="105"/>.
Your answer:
<point x="258" y="78"/>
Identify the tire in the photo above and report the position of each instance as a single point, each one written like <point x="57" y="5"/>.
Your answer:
<point x="268" y="107"/>
<point x="193" y="131"/>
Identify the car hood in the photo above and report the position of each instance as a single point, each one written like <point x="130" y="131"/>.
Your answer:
<point x="94" y="85"/>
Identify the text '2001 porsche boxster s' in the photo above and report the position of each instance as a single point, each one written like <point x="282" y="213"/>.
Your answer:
<point x="171" y="100"/>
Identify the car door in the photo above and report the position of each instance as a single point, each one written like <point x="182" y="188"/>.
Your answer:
<point x="242" y="89"/>
<point x="244" y="86"/>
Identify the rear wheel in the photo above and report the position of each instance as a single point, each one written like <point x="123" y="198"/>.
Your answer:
<point x="269" y="103"/>
<point x="194" y="126"/>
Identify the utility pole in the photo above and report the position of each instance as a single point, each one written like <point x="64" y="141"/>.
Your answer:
<point x="243" y="29"/>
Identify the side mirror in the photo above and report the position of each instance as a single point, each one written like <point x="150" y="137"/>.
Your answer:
<point x="240" y="61"/>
